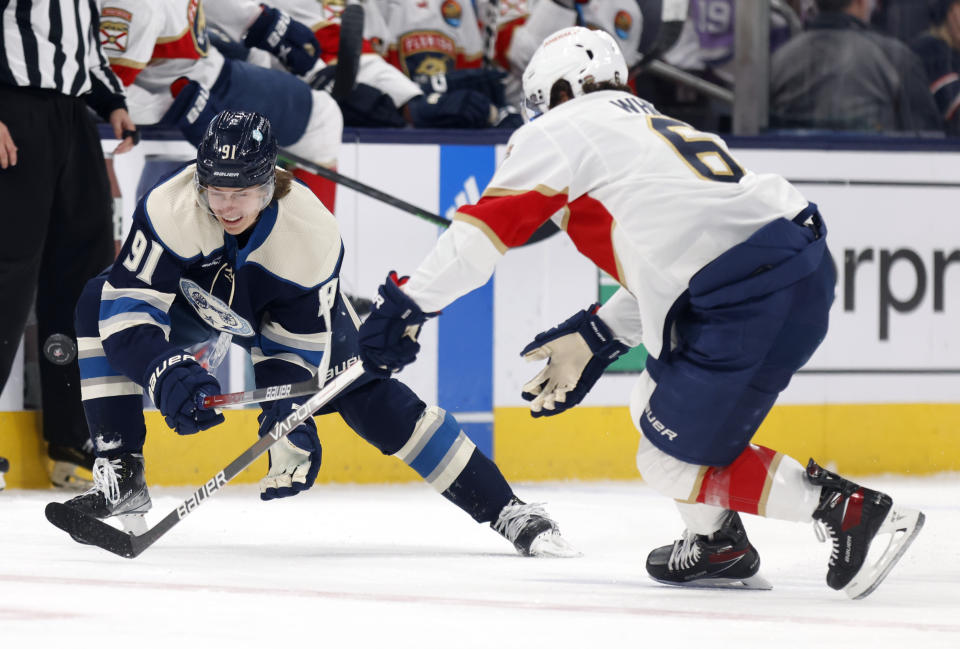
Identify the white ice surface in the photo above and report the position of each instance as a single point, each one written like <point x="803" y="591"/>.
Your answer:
<point x="390" y="567"/>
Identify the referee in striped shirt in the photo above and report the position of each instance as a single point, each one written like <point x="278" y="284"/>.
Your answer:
<point x="55" y="202"/>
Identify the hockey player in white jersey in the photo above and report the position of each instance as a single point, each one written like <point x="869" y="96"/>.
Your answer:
<point x="725" y="278"/>
<point x="384" y="95"/>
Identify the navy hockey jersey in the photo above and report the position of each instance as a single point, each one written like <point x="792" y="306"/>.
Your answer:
<point x="272" y="284"/>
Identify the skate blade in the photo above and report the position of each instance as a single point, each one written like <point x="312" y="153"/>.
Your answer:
<point x="902" y="525"/>
<point x="135" y="524"/>
<point x="755" y="582"/>
<point x="553" y="545"/>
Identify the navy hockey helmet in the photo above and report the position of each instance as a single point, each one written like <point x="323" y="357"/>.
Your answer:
<point x="238" y="150"/>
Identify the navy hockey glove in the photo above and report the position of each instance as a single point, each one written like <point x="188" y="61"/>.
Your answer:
<point x="230" y="48"/>
<point x="388" y="337"/>
<point x="177" y="385"/>
<point x="577" y="351"/>
<point x="191" y="110"/>
<point x="295" y="459"/>
<point x="488" y="83"/>
<point x="292" y="42"/>
<point x="454" y="109"/>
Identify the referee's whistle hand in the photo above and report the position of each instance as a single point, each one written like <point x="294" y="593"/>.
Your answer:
<point x="8" y="150"/>
<point x="120" y="121"/>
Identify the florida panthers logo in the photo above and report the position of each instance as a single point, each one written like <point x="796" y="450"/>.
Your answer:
<point x="452" y="12"/>
<point x="198" y="26"/>
<point x="426" y="53"/>
<point x="430" y="66"/>
<point x="114" y="28"/>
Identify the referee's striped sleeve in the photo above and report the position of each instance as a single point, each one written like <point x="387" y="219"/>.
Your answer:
<point x="55" y="44"/>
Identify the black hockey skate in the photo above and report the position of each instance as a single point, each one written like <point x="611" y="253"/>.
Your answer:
<point x="724" y="559"/>
<point x="119" y="489"/>
<point x="532" y="532"/>
<point x="852" y="516"/>
<point x="4" y="467"/>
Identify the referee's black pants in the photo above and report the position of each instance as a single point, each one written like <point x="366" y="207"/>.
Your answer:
<point x="57" y="233"/>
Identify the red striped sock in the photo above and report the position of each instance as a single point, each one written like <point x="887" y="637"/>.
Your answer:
<point x="744" y="484"/>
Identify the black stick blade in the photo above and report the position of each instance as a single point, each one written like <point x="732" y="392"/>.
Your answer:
<point x="348" y="51"/>
<point x="90" y="530"/>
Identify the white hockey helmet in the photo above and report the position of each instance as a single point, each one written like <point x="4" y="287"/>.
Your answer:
<point x="576" y="54"/>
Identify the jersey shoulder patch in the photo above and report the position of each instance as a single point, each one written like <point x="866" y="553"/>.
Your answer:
<point x="304" y="245"/>
<point x="182" y="226"/>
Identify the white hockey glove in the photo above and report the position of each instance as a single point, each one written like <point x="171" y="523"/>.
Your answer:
<point x="289" y="471"/>
<point x="295" y="459"/>
<point x="577" y="352"/>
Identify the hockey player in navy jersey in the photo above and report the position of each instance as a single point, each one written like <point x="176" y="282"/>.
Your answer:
<point x="725" y="279"/>
<point x="233" y="226"/>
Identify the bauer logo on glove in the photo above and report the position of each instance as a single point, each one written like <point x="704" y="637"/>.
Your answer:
<point x="577" y="352"/>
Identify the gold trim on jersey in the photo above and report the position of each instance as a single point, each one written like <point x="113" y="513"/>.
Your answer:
<point x="564" y="225"/>
<point x="616" y="258"/>
<point x="161" y="40"/>
<point x="697" y="484"/>
<point x="543" y="190"/>
<point x="127" y="63"/>
<point x="682" y="131"/>
<point x="540" y="189"/>
<point x="483" y="227"/>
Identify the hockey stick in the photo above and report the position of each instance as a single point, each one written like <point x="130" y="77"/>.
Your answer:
<point x="490" y="19"/>
<point x="272" y="393"/>
<point x="358" y="186"/>
<point x="348" y="52"/>
<point x="93" y="531"/>
<point x="546" y="230"/>
<point x="328" y="296"/>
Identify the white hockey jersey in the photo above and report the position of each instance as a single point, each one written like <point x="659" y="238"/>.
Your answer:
<point x="621" y="19"/>
<point x="647" y="198"/>
<point x="432" y="36"/>
<point x="151" y="43"/>
<point x="323" y="17"/>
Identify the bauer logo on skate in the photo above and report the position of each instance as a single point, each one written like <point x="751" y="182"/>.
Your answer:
<point x="657" y="424"/>
<point x="211" y="487"/>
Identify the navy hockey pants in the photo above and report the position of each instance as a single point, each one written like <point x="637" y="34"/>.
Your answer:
<point x="750" y="319"/>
